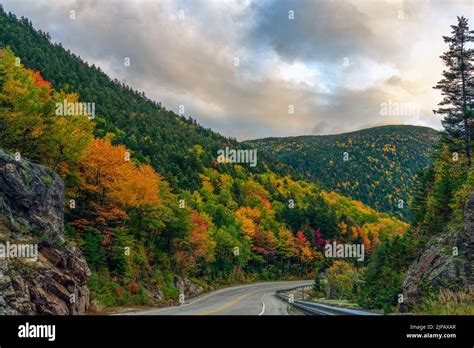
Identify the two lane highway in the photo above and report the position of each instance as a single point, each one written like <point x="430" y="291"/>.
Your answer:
<point x="250" y="299"/>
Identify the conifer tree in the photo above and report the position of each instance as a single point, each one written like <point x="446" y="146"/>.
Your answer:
<point x="457" y="87"/>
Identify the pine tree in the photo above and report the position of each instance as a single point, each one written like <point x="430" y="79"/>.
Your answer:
<point x="93" y="250"/>
<point x="457" y="87"/>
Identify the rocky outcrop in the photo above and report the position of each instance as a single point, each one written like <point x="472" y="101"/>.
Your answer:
<point x="31" y="199"/>
<point x="446" y="262"/>
<point x="187" y="287"/>
<point x="31" y="213"/>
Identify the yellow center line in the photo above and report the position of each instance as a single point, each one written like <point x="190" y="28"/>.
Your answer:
<point x="230" y="304"/>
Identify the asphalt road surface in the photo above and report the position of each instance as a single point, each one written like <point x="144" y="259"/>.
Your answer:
<point x="251" y="299"/>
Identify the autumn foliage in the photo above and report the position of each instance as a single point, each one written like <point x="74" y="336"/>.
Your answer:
<point x="108" y="172"/>
<point x="39" y="81"/>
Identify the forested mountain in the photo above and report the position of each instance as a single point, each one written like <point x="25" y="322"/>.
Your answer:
<point x="377" y="166"/>
<point x="154" y="134"/>
<point x="147" y="199"/>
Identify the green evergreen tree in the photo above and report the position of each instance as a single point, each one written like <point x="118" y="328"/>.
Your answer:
<point x="457" y="86"/>
<point x="93" y="250"/>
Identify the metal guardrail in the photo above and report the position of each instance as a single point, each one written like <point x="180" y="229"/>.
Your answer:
<point x="315" y="308"/>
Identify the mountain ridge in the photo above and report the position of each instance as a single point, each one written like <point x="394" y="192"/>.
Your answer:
<point x="343" y="133"/>
<point x="377" y="166"/>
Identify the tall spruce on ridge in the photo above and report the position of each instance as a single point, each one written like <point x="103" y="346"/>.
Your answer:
<point x="457" y="87"/>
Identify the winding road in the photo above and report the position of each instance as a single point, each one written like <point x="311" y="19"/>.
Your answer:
<point x="250" y="299"/>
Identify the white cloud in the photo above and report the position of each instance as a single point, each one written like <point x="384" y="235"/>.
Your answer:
<point x="366" y="73"/>
<point x="299" y="73"/>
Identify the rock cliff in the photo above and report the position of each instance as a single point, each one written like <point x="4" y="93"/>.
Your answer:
<point x="31" y="213"/>
<point x="446" y="262"/>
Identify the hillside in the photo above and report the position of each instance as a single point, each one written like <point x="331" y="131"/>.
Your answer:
<point x="377" y="166"/>
<point x="154" y="135"/>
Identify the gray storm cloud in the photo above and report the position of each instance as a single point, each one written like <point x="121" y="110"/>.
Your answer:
<point x="335" y="63"/>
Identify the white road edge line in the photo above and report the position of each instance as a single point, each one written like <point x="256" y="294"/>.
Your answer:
<point x="263" y="305"/>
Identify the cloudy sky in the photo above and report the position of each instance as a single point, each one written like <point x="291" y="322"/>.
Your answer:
<point x="252" y="69"/>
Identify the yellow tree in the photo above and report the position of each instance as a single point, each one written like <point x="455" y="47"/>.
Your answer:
<point x="24" y="108"/>
<point x="117" y="188"/>
<point x="250" y="218"/>
<point x="69" y="137"/>
<point x="29" y="124"/>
